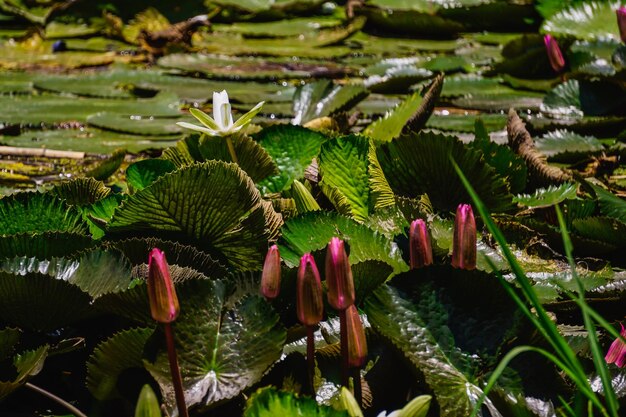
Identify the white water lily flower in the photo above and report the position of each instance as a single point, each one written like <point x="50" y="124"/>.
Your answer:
<point x="221" y="124"/>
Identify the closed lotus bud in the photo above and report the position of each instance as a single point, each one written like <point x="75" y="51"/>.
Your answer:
<point x="420" y="249"/>
<point x="617" y="351"/>
<point x="357" y="344"/>
<point x="464" y="240"/>
<point x="554" y="54"/>
<point x="161" y="293"/>
<point x="270" y="278"/>
<point x="310" y="306"/>
<point x="339" y="275"/>
<point x="621" y="22"/>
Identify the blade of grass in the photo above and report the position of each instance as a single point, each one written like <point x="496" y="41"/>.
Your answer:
<point x="597" y="354"/>
<point x="546" y="326"/>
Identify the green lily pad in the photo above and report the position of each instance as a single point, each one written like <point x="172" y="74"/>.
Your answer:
<point x="565" y="146"/>
<point x="120" y="352"/>
<point x="138" y="125"/>
<point x="546" y="197"/>
<point x="235" y="223"/>
<point x="420" y="163"/>
<point x="251" y="157"/>
<point x="27" y="364"/>
<point x="280" y="28"/>
<point x="217" y="336"/>
<point x="50" y="109"/>
<point x="446" y="121"/>
<point x="143" y="173"/>
<point x="268" y="402"/>
<point x="87" y="140"/>
<point x="247" y="68"/>
<point x="36" y="213"/>
<point x="590" y="20"/>
<point x="312" y="231"/>
<point x="324" y="98"/>
<point x="292" y="148"/>
<point x="399" y="322"/>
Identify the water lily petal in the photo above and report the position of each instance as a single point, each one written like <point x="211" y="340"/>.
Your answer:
<point x="219" y="99"/>
<point x="247" y="118"/>
<point x="227" y="117"/>
<point x="191" y="126"/>
<point x="204" y="118"/>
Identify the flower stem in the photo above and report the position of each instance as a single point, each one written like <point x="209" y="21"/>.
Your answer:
<point x="356" y="380"/>
<point x="177" y="380"/>
<point x="343" y="331"/>
<point x="310" y="357"/>
<point x="231" y="149"/>
<point x="56" y="399"/>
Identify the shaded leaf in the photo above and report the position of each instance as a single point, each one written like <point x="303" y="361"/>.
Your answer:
<point x="81" y="191"/>
<point x="219" y="349"/>
<point x="292" y="148"/>
<point x="323" y="98"/>
<point x="269" y="402"/>
<point x="143" y="173"/>
<point x="312" y="231"/>
<point x="231" y="220"/>
<point x="420" y="163"/>
<point x="546" y="197"/>
<point x="122" y="351"/>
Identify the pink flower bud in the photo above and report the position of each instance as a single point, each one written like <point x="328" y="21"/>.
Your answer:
<point x="161" y="292"/>
<point x="621" y="22"/>
<point x="420" y="249"/>
<point x="310" y="306"/>
<point x="339" y="275"/>
<point x="270" y="278"/>
<point x="554" y="54"/>
<point x="617" y="351"/>
<point x="464" y="240"/>
<point x="357" y="343"/>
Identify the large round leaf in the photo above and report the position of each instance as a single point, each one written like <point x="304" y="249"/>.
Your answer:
<point x="268" y="402"/>
<point x="292" y="148"/>
<point x="225" y="342"/>
<point x="37" y="212"/>
<point x="37" y="301"/>
<point x="312" y="231"/>
<point x="418" y="164"/>
<point x="81" y="191"/>
<point x="251" y="157"/>
<point x="588" y="20"/>
<point x="213" y="205"/>
<point x="118" y="353"/>
<point x="343" y="166"/>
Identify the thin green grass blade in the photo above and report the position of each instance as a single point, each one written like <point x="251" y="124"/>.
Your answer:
<point x="597" y="354"/>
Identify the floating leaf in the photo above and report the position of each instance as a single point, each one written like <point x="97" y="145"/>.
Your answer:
<point x="292" y="148"/>
<point x="81" y="191"/>
<point x="27" y="364"/>
<point x="589" y="20"/>
<point x="103" y="170"/>
<point x="36" y="213"/>
<point x="563" y="145"/>
<point x="312" y="231"/>
<point x="546" y="197"/>
<point x="604" y="229"/>
<point x="610" y="204"/>
<point x="324" y="98"/>
<point x="420" y="163"/>
<point x="143" y="173"/>
<point x="506" y="163"/>
<point x="269" y="402"/>
<point x="219" y="349"/>
<point x="231" y="220"/>
<point x="251" y="157"/>
<point x="343" y="164"/>
<point x="120" y="352"/>
<point x="397" y="320"/>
